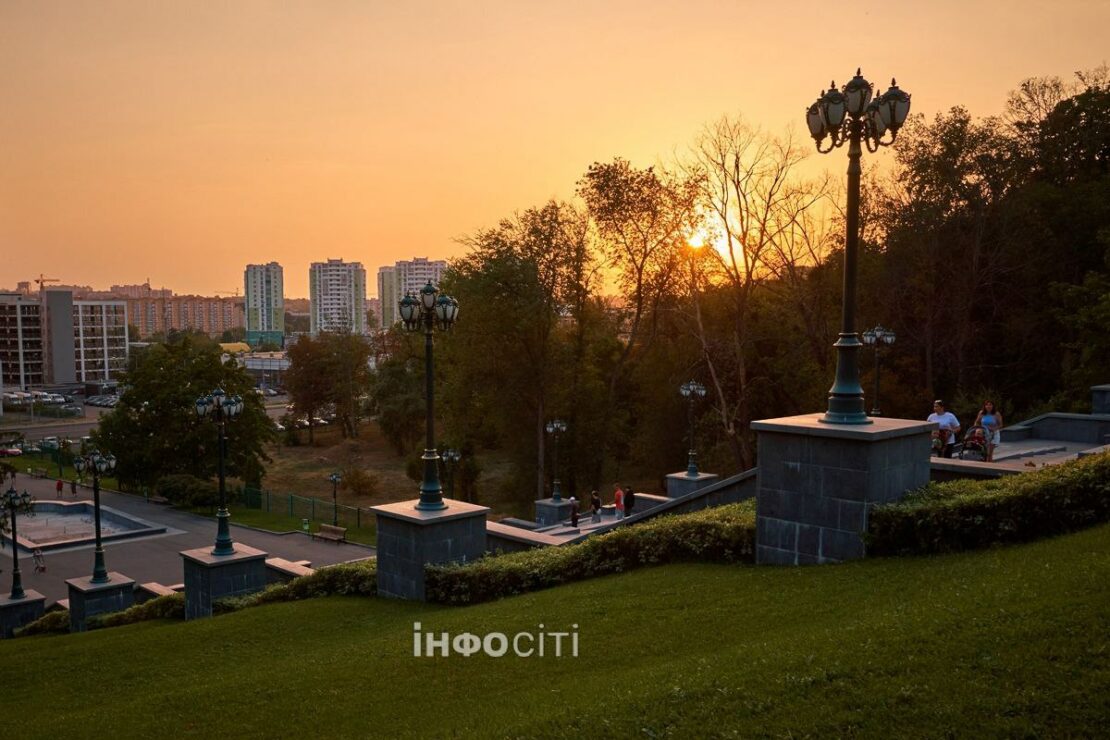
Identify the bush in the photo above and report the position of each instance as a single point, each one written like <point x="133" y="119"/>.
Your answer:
<point x="361" y="483"/>
<point x="345" y="579"/>
<point x="187" y="491"/>
<point x="966" y="514"/>
<point x="723" y="534"/>
<point x="51" y="623"/>
<point x="170" y="606"/>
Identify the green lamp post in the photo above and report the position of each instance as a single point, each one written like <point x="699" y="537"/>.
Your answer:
<point x="335" y="478"/>
<point x="555" y="428"/>
<point x="16" y="502"/>
<point x="98" y="465"/>
<point x="427" y="312"/>
<point x="850" y="116"/>
<point x="876" y="338"/>
<point x="221" y="408"/>
<point x="693" y="391"/>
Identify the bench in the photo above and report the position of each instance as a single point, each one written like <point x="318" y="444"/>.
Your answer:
<point x="329" y="532"/>
<point x="38" y="472"/>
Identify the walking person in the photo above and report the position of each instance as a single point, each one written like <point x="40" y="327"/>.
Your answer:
<point x="990" y="419"/>
<point x="58" y="487"/>
<point x="39" y="560"/>
<point x="73" y="487"/>
<point x="595" y="503"/>
<point x="618" y="501"/>
<point x="949" y="427"/>
<point x="629" y="500"/>
<point x="573" y="511"/>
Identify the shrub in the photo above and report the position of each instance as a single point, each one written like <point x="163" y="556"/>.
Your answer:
<point x="966" y="514"/>
<point x="345" y="579"/>
<point x="723" y="534"/>
<point x="361" y="483"/>
<point x="170" y="606"/>
<point x="51" y="623"/>
<point x="187" y="491"/>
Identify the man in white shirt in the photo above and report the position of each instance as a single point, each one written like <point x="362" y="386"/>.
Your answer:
<point x="949" y="426"/>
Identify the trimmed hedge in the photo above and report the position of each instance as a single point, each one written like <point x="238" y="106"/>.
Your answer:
<point x="724" y="534"/>
<point x="51" y="623"/>
<point x="170" y="606"/>
<point x="967" y="514"/>
<point x="187" y="490"/>
<point x="345" y="579"/>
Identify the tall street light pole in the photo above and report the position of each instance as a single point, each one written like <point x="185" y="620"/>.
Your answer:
<point x="221" y="408"/>
<point x="692" y="391"/>
<point x="16" y="502"/>
<point x="451" y="459"/>
<point x="427" y="312"/>
<point x="877" y="337"/>
<point x="850" y="116"/>
<point x="98" y="465"/>
<point x="556" y="427"/>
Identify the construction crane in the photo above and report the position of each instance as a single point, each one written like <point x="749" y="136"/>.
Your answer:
<point x="42" y="280"/>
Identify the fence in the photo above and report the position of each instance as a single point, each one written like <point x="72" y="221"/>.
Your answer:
<point x="304" y="507"/>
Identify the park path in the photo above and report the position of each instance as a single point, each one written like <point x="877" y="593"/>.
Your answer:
<point x="154" y="558"/>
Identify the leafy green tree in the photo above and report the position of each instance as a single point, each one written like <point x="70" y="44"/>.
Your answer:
<point x="154" y="430"/>
<point x="307" y="380"/>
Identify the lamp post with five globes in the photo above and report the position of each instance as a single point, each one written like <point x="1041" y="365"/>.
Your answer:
<point x="98" y="465"/>
<point x="851" y="116"/>
<point x="692" y="391"/>
<point x="221" y="408"/>
<point x="877" y="337"/>
<point x="16" y="502"/>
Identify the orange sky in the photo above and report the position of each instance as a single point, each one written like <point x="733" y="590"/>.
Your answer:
<point x="181" y="140"/>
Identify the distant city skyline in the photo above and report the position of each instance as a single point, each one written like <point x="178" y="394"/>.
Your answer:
<point x="180" y="142"/>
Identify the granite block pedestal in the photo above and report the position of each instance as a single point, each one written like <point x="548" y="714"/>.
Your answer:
<point x="209" y="577"/>
<point x="680" y="484"/>
<point x="409" y="538"/>
<point x="16" y="613"/>
<point x="88" y="599"/>
<point x="549" y="511"/>
<point x="817" y="483"/>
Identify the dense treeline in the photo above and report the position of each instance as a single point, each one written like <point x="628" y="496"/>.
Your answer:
<point x="986" y="248"/>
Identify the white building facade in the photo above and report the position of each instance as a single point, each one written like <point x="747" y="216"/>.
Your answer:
<point x="265" y="303"/>
<point x="337" y="296"/>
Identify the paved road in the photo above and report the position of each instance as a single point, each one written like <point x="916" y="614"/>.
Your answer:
<point x="156" y="558"/>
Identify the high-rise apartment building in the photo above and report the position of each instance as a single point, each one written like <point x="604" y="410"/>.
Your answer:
<point x="264" y="304"/>
<point x="407" y="276"/>
<point x="337" y="295"/>
<point x="52" y="339"/>
<point x="140" y="291"/>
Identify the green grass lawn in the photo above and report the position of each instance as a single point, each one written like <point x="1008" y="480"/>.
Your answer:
<point x="277" y="522"/>
<point x="1006" y="642"/>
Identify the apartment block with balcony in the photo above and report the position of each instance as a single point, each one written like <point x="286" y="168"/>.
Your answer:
<point x="337" y="297"/>
<point x="22" y="352"/>
<point x="406" y="276"/>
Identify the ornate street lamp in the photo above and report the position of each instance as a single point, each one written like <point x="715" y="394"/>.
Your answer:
<point x="427" y="312"/>
<point x="221" y="408"/>
<point x="451" y="459"/>
<point x="877" y="337"/>
<point x="692" y="391"/>
<point x="16" y="503"/>
<point x="851" y="116"/>
<point x="555" y="427"/>
<point x="335" y="478"/>
<point x="98" y="465"/>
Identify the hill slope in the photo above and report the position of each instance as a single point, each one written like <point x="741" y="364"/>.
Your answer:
<point x="1006" y="642"/>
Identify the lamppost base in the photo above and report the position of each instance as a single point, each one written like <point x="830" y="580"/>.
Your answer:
<point x="16" y="613"/>
<point x="224" y="544"/>
<point x="410" y="538"/>
<point x="852" y="418"/>
<point x="88" y="598"/>
<point x="552" y="511"/>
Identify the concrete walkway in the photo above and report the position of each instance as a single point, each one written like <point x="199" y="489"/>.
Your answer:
<point x="155" y="558"/>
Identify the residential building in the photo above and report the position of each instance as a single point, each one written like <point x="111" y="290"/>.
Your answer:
<point x="406" y="276"/>
<point x="337" y="295"/>
<point x="264" y="304"/>
<point x="211" y="315"/>
<point x="140" y="291"/>
<point x="21" y="341"/>
<point x="374" y="308"/>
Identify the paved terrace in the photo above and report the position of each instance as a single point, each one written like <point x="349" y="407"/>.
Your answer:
<point x="155" y="558"/>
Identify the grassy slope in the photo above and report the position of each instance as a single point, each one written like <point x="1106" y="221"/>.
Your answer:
<point x="1005" y="642"/>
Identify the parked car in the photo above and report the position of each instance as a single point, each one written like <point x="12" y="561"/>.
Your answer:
<point x="10" y="452"/>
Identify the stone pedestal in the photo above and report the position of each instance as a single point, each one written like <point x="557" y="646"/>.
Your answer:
<point x="15" y="613"/>
<point x="549" y="511"/>
<point x="88" y="599"/>
<point x="680" y="484"/>
<point x="409" y="538"/>
<point x="817" y="483"/>
<point x="209" y="577"/>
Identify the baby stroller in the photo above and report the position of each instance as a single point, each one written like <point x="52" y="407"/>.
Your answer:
<point x="975" y="444"/>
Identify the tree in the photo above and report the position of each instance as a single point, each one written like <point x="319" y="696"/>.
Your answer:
<point x="307" y="380"/>
<point x="154" y="430"/>
<point x="347" y="367"/>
